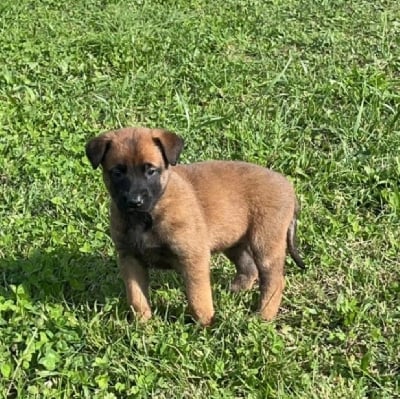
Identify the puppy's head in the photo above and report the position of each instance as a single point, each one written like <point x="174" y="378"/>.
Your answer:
<point x="135" y="163"/>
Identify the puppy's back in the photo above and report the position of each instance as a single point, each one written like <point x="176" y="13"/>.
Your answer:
<point x="235" y="195"/>
<point x="234" y="179"/>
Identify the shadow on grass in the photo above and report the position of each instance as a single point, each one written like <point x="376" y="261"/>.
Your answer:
<point x="80" y="279"/>
<point x="70" y="276"/>
<point x="62" y="275"/>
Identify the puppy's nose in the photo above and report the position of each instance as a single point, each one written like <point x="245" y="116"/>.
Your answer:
<point x="135" y="201"/>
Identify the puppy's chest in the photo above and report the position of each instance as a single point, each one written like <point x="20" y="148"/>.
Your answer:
<point x="145" y="244"/>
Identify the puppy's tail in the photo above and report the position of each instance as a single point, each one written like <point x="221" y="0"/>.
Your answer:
<point x="291" y="239"/>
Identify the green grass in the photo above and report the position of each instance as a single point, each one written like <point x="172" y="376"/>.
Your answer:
<point x="311" y="89"/>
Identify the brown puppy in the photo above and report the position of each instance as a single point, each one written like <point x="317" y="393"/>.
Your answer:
<point x="169" y="216"/>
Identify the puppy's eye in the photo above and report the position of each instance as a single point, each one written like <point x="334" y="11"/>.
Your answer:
<point x="150" y="170"/>
<point x="116" y="173"/>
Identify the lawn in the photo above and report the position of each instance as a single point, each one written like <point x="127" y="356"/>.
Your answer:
<point x="308" y="88"/>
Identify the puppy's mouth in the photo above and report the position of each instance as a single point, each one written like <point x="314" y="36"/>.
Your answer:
<point x="133" y="207"/>
<point x="142" y="209"/>
<point x="136" y="204"/>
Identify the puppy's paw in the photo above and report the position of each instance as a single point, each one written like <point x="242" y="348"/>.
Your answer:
<point x="142" y="317"/>
<point x="205" y="319"/>
<point x="243" y="282"/>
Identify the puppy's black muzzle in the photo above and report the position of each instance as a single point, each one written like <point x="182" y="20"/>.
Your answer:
<point x="134" y="191"/>
<point x="135" y="202"/>
<point x="141" y="200"/>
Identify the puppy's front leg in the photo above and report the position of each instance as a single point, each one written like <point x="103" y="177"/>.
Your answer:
<point x="196" y="274"/>
<point x="136" y="280"/>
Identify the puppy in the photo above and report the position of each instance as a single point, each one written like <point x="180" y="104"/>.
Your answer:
<point x="165" y="215"/>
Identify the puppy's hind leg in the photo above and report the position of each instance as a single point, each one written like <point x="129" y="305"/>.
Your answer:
<point x="270" y="264"/>
<point x="246" y="269"/>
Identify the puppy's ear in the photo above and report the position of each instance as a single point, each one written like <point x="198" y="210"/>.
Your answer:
<point x="97" y="148"/>
<point x="171" y="145"/>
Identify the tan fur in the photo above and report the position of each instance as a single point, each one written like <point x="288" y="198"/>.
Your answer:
<point x="241" y="209"/>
